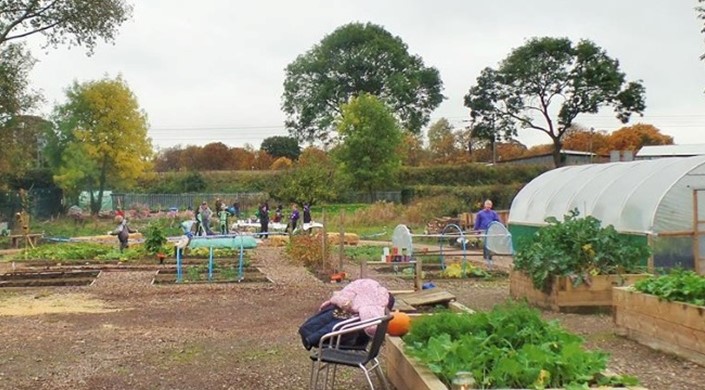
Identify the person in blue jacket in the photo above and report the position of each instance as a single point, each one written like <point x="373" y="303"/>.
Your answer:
<point x="483" y="219"/>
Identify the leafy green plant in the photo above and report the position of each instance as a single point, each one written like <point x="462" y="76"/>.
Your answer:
<point x="508" y="347"/>
<point x="578" y="248"/>
<point x="155" y="238"/>
<point x="228" y="273"/>
<point x="193" y="274"/>
<point x="80" y="252"/>
<point x="680" y="285"/>
<point x="456" y="270"/>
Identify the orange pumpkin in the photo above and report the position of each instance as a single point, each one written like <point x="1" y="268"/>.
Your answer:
<point x="399" y="324"/>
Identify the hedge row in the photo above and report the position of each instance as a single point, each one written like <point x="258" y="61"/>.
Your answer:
<point x="469" y="174"/>
<point x="472" y="196"/>
<point x="214" y="181"/>
<point x="500" y="184"/>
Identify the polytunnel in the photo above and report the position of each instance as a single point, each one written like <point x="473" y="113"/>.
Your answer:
<point x="660" y="202"/>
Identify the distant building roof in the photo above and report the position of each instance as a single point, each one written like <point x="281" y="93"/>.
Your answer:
<point x="671" y="150"/>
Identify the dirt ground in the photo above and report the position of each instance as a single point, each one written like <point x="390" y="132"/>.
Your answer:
<point x="124" y="333"/>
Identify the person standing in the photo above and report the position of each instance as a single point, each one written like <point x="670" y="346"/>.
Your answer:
<point x="278" y="214"/>
<point x="223" y="218"/>
<point x="263" y="212"/>
<point x="307" y="213"/>
<point x="483" y="219"/>
<point x="307" y="218"/>
<point x="206" y="213"/>
<point x="294" y="218"/>
<point x="218" y="205"/>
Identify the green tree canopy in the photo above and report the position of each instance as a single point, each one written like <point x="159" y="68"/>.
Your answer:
<point x="18" y="134"/>
<point x="72" y="22"/>
<point x="101" y="139"/>
<point x="15" y="95"/>
<point x="367" y="157"/>
<point x="281" y="146"/>
<point x="22" y="139"/>
<point x="357" y="58"/>
<point x="312" y="180"/>
<point x="545" y="84"/>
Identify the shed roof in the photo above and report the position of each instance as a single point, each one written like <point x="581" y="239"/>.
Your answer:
<point x="671" y="150"/>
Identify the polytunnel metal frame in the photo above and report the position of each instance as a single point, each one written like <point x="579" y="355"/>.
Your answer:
<point x="647" y="198"/>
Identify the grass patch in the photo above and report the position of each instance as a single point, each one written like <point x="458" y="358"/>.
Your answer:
<point x="185" y="354"/>
<point x="361" y="252"/>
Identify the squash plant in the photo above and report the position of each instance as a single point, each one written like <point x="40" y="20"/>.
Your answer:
<point x="578" y="248"/>
<point x="680" y="285"/>
<point x="510" y="347"/>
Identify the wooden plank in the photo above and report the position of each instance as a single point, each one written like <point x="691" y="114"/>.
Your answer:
<point x="427" y="297"/>
<point x="672" y="327"/>
<point x="401" y="305"/>
<point x="662" y="335"/>
<point x="663" y="329"/>
<point x="690" y="316"/>
<point x="563" y="295"/>
<point x="403" y="373"/>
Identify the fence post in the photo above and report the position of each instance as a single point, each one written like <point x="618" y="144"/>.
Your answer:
<point x="324" y="241"/>
<point x="342" y="241"/>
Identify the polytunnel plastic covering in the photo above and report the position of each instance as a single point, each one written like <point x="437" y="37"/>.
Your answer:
<point x="644" y="197"/>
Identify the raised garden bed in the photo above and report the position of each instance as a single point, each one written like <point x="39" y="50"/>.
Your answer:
<point x="565" y="297"/>
<point x="673" y="327"/>
<point x="48" y="278"/>
<point x="220" y="275"/>
<point x="406" y="372"/>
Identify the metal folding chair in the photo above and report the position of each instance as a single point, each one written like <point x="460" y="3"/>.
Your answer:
<point x="330" y="353"/>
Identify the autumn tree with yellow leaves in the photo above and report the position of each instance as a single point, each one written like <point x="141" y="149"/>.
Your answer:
<point x="100" y="140"/>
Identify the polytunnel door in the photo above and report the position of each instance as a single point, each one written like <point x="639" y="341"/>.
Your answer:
<point x="699" y="230"/>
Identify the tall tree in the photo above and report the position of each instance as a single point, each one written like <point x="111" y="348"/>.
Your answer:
<point x="281" y="146"/>
<point x="15" y="95"/>
<point x="634" y="137"/>
<point x="586" y="140"/>
<point x="548" y="72"/>
<point x="312" y="179"/>
<point x="412" y="150"/>
<point x="16" y="99"/>
<point x="216" y="156"/>
<point x="168" y="159"/>
<point x="509" y="150"/>
<point x="22" y="139"/>
<point x="357" y="58"/>
<point x="443" y="141"/>
<point x="370" y="135"/>
<point x="72" y="22"/>
<point x="243" y="158"/>
<point x="102" y="137"/>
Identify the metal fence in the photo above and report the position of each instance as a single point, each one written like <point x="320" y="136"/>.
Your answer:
<point x="186" y="201"/>
<point x="41" y="202"/>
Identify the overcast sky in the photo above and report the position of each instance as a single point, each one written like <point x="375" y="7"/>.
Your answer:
<point x="213" y="70"/>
